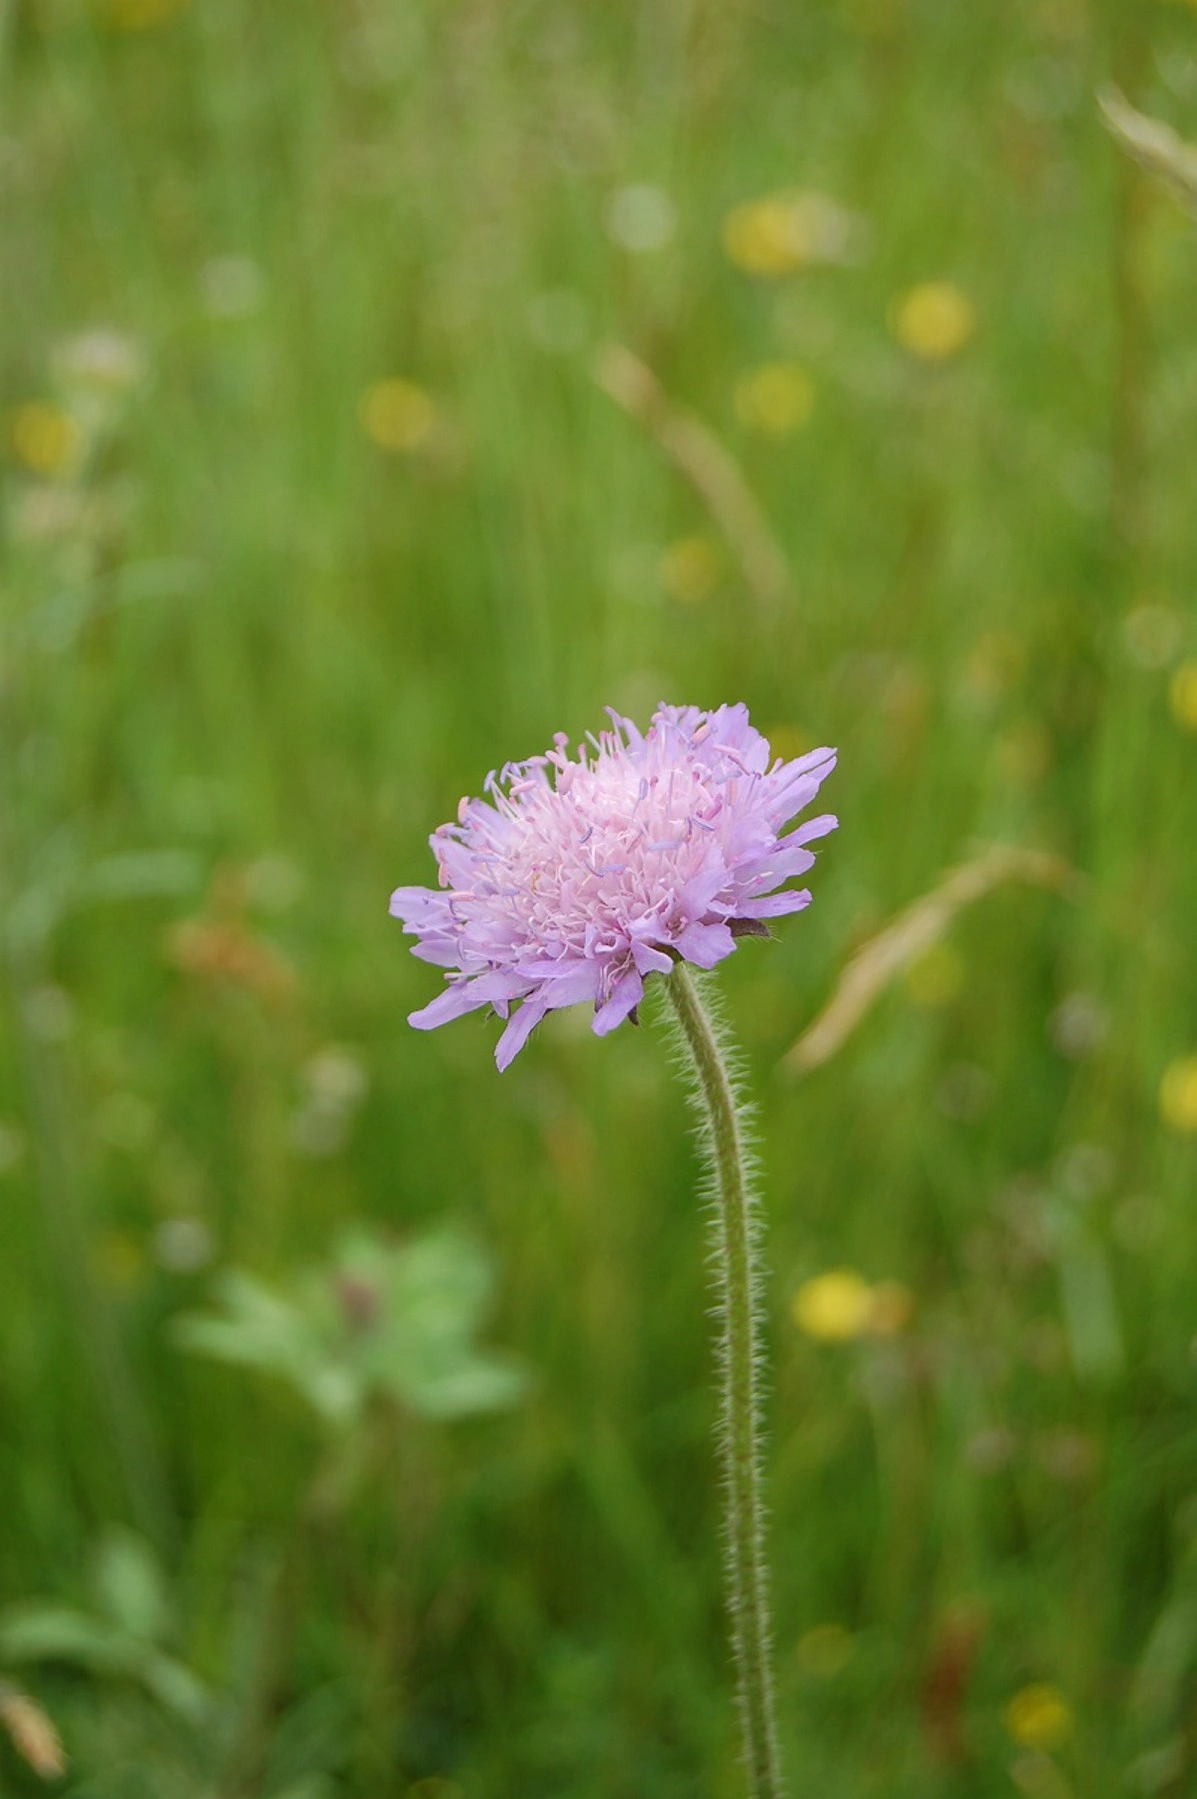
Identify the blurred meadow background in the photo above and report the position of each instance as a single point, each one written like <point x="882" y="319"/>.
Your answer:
<point x="384" y="386"/>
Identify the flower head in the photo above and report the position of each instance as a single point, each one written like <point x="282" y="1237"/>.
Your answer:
<point x="934" y="321"/>
<point x="577" y="878"/>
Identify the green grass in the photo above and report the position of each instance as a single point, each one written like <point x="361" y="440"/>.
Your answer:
<point x="240" y="635"/>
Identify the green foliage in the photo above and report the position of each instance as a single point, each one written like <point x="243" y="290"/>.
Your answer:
<point x="182" y="1734"/>
<point x="392" y="1320"/>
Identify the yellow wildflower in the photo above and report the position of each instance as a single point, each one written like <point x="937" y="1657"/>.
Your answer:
<point x="841" y="1305"/>
<point x="1182" y="695"/>
<point x="45" y="438"/>
<point x="691" y="569"/>
<point x="397" y="414"/>
<point x="1178" y="1095"/>
<point x="780" y="233"/>
<point x="1039" y="1717"/>
<point x="933" y="321"/>
<point x="834" y="1307"/>
<point x="760" y="237"/>
<point x="776" y="398"/>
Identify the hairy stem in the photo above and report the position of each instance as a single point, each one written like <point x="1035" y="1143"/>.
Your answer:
<point x="735" y="1233"/>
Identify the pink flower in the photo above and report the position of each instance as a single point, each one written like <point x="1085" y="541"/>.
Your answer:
<point x="577" y="879"/>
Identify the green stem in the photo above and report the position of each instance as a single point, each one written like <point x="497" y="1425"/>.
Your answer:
<point x="737" y="1276"/>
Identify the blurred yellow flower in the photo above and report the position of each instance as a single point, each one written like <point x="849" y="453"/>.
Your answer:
<point x="834" y="1307"/>
<point x="936" y="977"/>
<point x="779" y="233"/>
<point x="1182" y="695"/>
<point x="138" y="15"/>
<point x="1178" y="1095"/>
<point x="762" y="238"/>
<point x="45" y="438"/>
<point x="825" y="1651"/>
<point x="776" y="398"/>
<point x="1039" y="1717"/>
<point x="841" y="1305"/>
<point x="397" y="414"/>
<point x="933" y="321"/>
<point x="691" y="569"/>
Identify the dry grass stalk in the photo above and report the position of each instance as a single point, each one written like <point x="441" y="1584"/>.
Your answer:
<point x="698" y="454"/>
<point x="33" y="1735"/>
<point x="911" y="934"/>
<point x="1154" y="145"/>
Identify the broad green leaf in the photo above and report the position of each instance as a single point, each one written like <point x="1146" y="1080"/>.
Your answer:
<point x="37" y="1632"/>
<point x="176" y="1688"/>
<point x="477" y="1385"/>
<point x="260" y="1330"/>
<point x="130" y="1587"/>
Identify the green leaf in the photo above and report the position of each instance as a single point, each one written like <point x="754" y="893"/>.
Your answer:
<point x="130" y="1587"/>
<point x="398" y="1319"/>
<point x="42" y="1632"/>
<point x="176" y="1688"/>
<point x="258" y="1329"/>
<point x="480" y="1384"/>
<point x="432" y="1303"/>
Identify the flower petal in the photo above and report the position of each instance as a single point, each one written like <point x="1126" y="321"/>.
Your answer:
<point x="698" y="893"/>
<point x="705" y="944"/>
<point x="578" y="982"/>
<point x="419" y="907"/>
<point x="625" y="997"/>
<point x="813" y="827"/>
<point x="519" y="1028"/>
<point x="776" y="905"/>
<point x="649" y="960"/>
<point x="786" y="860"/>
<point x="454" y="1002"/>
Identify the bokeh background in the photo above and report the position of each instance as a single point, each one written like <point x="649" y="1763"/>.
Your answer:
<point x="384" y="386"/>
